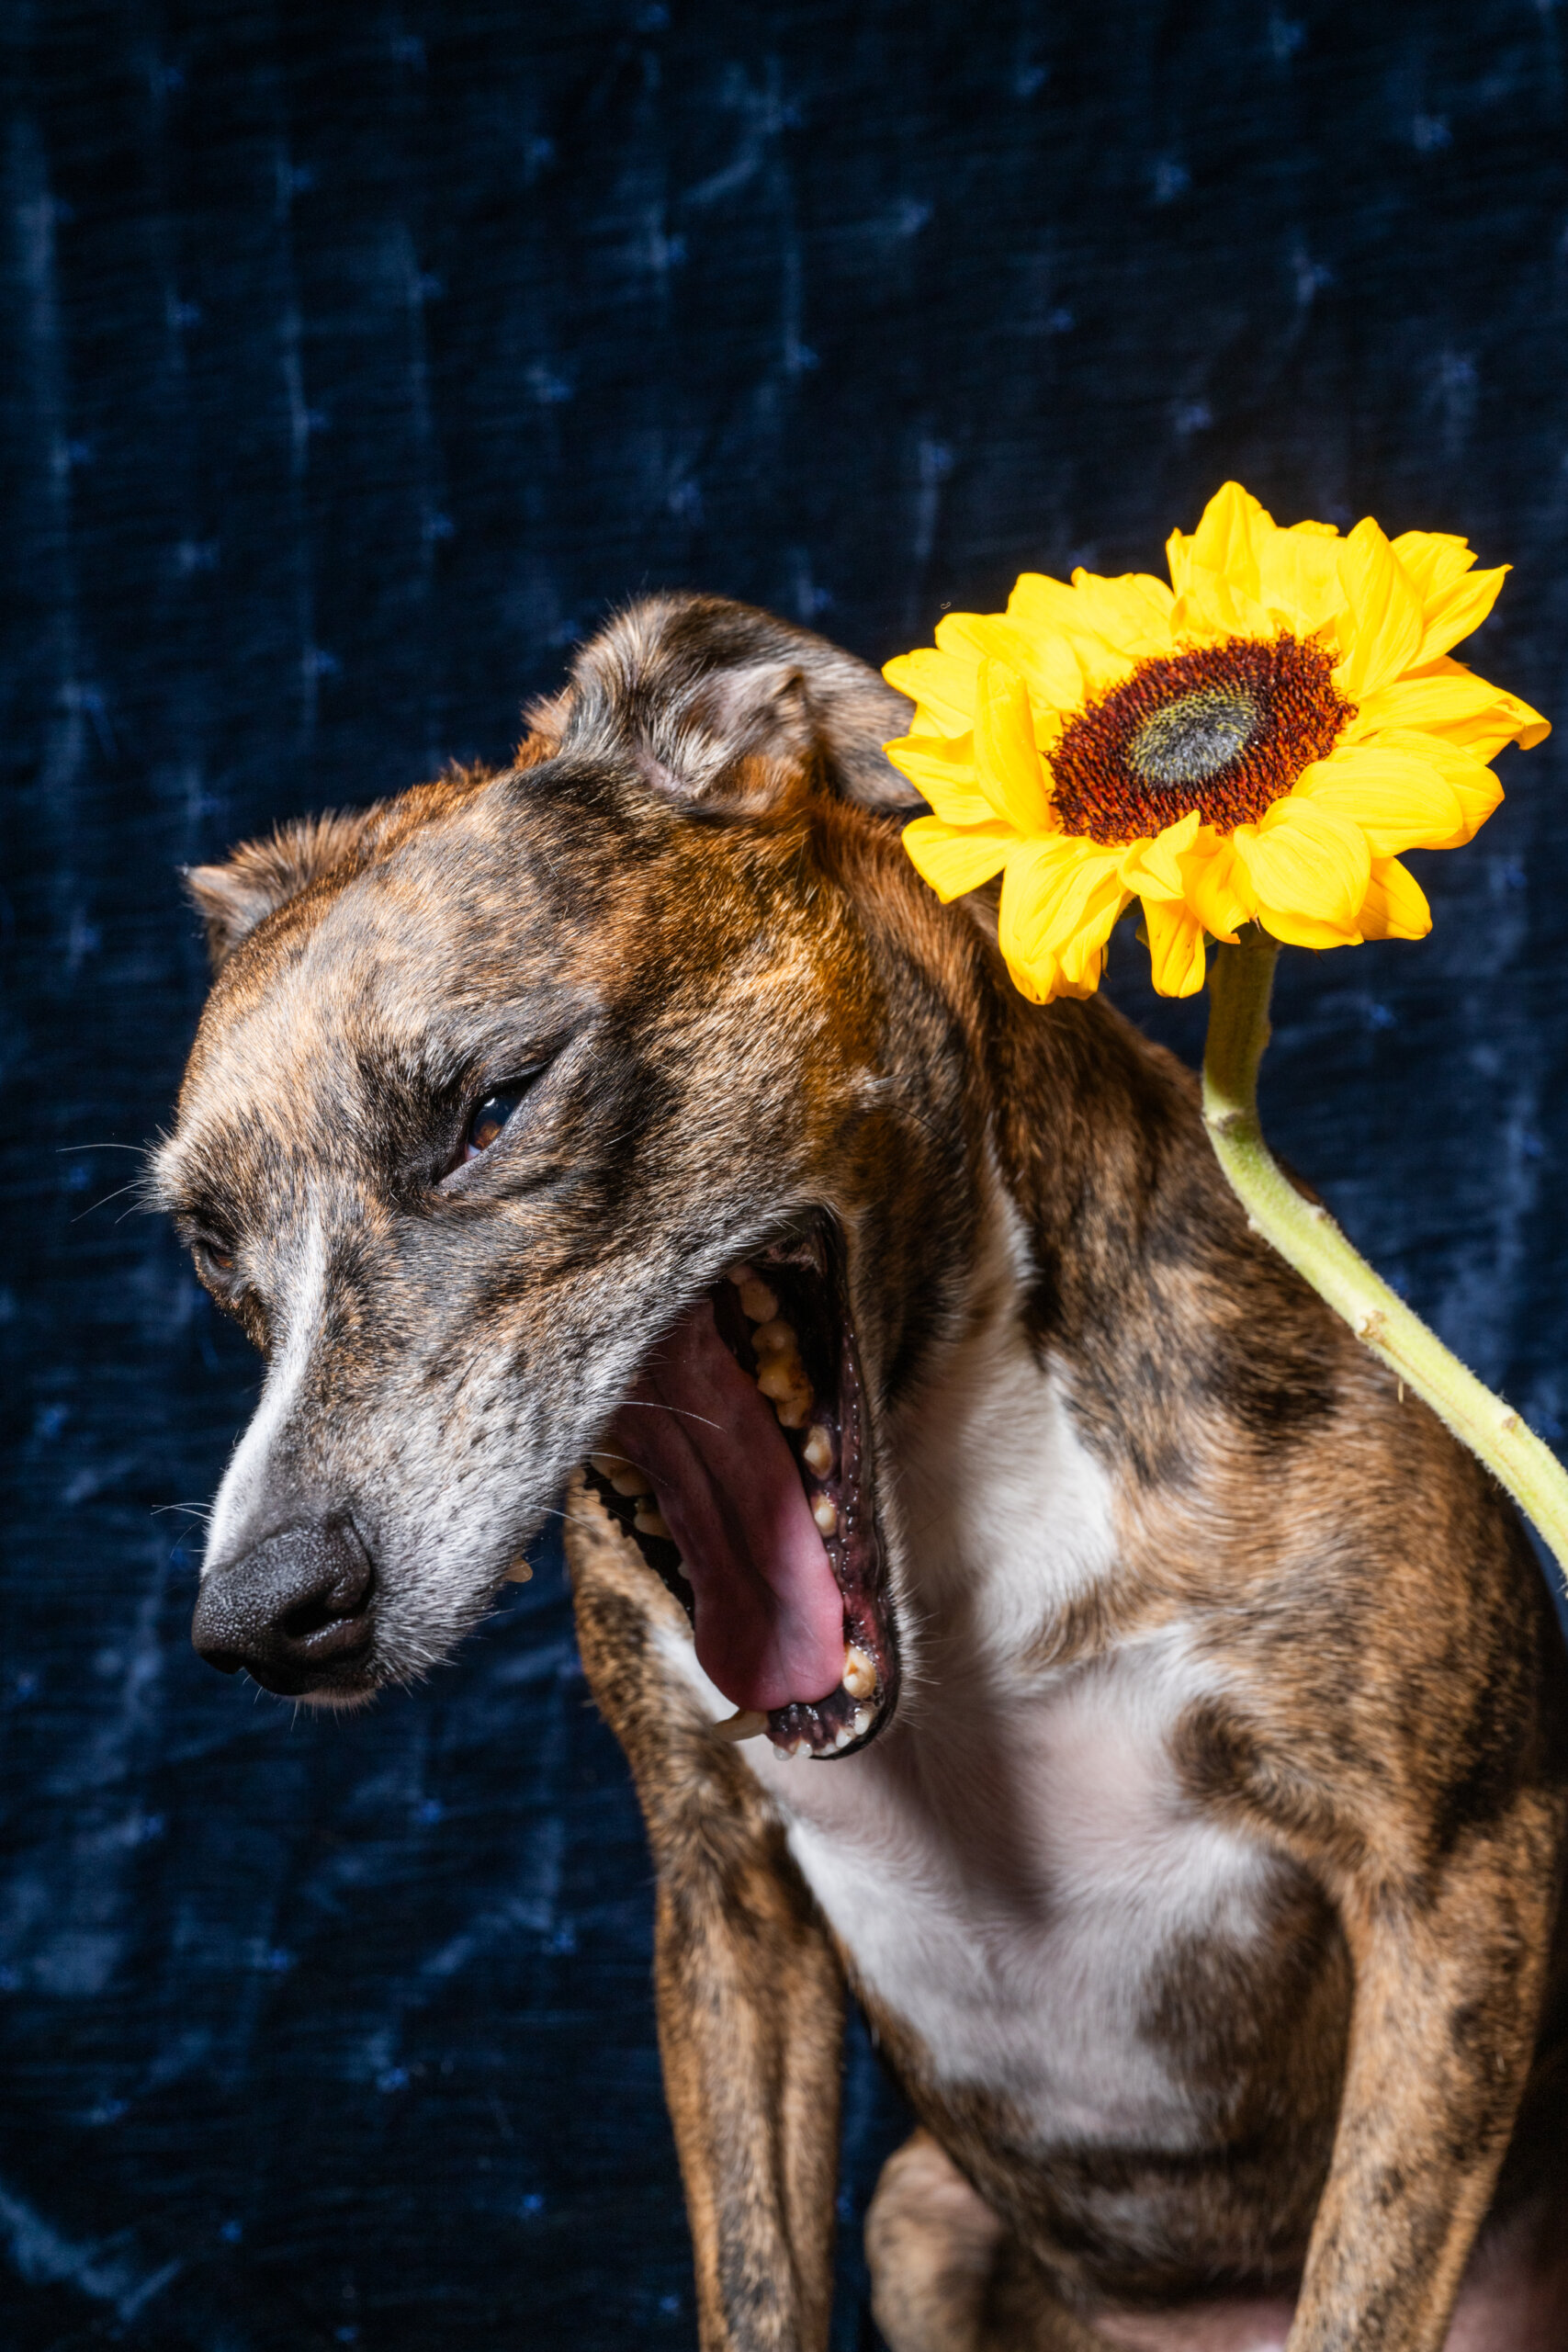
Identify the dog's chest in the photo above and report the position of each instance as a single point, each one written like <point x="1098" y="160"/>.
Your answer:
<point x="1024" y="1886"/>
<point x="1013" y="1869"/>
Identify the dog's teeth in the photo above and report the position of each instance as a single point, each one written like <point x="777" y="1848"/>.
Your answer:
<point x="739" y="1273"/>
<point x="817" y="1451"/>
<point x="744" y="1726"/>
<point x="519" y="1572"/>
<point x="783" y="1376"/>
<point x="683" y="1572"/>
<point x="863" y="1720"/>
<point x="786" y="1750"/>
<point x="757" y="1303"/>
<point x="648" y="1521"/>
<point x="622" y="1476"/>
<point x="860" y="1673"/>
<point x="825" y="1512"/>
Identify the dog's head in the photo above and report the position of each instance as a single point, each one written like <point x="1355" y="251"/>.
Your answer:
<point x="613" y="1106"/>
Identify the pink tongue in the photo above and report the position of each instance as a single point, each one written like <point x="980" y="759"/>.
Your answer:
<point x="769" y="1618"/>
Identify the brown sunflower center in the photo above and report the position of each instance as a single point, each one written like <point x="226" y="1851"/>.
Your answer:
<point x="1224" y="730"/>
<point x="1193" y="738"/>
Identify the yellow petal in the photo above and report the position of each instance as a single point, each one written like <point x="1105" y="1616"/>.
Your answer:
<point x="1049" y="650"/>
<point x="1432" y="561"/>
<point x="1216" y="571"/>
<point x="1066" y="658"/>
<point x="1454" y="614"/>
<point x="1152" y="868"/>
<point x="1176" y="948"/>
<point x="1231" y="531"/>
<point x="1028" y="881"/>
<point x="1399" y="800"/>
<point x="943" y="684"/>
<point x="1058" y="666"/>
<point x="1470" y="780"/>
<point x="927" y="722"/>
<point x="1299" y="578"/>
<point x="1493" y="716"/>
<point x="1218" y="889"/>
<point x="1454" y="702"/>
<point x="1082" y="960"/>
<point x="953" y="859"/>
<point x="1059" y="902"/>
<point x="941" y="769"/>
<point x="1131" y="614"/>
<point x="1381" y="628"/>
<point x="982" y="637"/>
<point x="1212" y="609"/>
<point x="1040" y="983"/>
<point x="1048" y="724"/>
<point x="1008" y="768"/>
<point x="1310" y="869"/>
<point x="1395" y="905"/>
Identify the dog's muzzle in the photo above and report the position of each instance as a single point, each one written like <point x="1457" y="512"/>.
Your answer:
<point x="295" y="1611"/>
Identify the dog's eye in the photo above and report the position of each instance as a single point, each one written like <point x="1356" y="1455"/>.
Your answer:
<point x="221" y="1261"/>
<point x="488" y="1122"/>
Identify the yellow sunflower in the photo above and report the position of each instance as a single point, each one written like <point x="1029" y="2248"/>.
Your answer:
<point x="1259" y="741"/>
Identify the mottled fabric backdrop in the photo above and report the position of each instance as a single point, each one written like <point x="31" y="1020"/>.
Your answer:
<point x="356" y="359"/>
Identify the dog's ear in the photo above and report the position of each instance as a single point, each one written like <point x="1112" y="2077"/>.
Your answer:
<point x="547" y="717"/>
<point x="729" y="712"/>
<point x="743" y="743"/>
<point x="231" y="898"/>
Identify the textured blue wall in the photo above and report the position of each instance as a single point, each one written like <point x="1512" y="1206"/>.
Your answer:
<point x="356" y="359"/>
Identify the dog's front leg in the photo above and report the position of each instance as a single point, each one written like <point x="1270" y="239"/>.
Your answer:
<point x="751" y="2031"/>
<point x="749" y="1994"/>
<point x="1449" y="1977"/>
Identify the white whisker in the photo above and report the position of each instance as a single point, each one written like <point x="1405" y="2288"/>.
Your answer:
<point x="117" y="1194"/>
<point x="681" y="1412"/>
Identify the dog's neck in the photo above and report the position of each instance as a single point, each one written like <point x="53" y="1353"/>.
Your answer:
<point x="1060" y="1390"/>
<point x="1006" y="1516"/>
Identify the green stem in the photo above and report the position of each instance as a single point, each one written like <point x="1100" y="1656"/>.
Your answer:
<point x="1240" y="982"/>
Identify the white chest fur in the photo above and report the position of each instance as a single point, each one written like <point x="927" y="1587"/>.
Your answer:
<point x="1014" y="1879"/>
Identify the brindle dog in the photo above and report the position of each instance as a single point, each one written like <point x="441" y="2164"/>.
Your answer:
<point x="1190" y="1708"/>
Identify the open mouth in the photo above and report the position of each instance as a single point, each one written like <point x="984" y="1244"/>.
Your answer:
<point x="738" y="1465"/>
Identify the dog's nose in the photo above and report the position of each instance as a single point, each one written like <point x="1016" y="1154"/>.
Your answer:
<point x="294" y="1609"/>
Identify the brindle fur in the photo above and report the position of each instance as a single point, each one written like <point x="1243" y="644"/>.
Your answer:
<point x="689" y="890"/>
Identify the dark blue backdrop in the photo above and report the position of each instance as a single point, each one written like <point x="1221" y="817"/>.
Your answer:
<point x="357" y="358"/>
